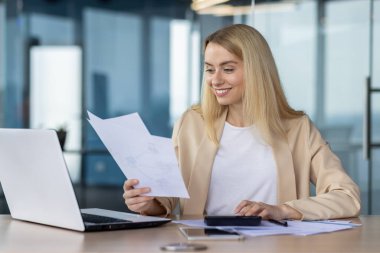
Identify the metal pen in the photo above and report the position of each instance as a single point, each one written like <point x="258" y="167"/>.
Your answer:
<point x="277" y="222"/>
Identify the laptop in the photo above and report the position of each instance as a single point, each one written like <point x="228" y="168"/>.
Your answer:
<point x="38" y="188"/>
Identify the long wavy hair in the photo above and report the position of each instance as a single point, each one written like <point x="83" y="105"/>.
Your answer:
<point x="264" y="101"/>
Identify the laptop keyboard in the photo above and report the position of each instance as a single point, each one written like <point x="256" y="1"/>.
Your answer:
<point x="93" y="218"/>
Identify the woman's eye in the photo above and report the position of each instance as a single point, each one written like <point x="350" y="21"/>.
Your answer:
<point x="228" y="70"/>
<point x="209" y="70"/>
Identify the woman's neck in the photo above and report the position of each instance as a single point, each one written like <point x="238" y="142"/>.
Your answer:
<point x="235" y="117"/>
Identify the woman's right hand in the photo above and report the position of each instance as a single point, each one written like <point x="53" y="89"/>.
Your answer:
<point x="134" y="198"/>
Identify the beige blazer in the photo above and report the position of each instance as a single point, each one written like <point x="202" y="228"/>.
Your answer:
<point x="305" y="157"/>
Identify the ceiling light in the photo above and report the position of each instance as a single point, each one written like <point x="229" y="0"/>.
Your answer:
<point x="202" y="4"/>
<point x="226" y="10"/>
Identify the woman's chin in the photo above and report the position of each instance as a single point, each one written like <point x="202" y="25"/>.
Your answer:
<point x="223" y="102"/>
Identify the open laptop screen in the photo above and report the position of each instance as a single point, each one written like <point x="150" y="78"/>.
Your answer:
<point x="37" y="185"/>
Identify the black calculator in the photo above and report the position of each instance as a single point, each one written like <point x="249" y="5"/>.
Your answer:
<point x="216" y="220"/>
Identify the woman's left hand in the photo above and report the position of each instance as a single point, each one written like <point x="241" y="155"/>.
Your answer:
<point x="248" y="208"/>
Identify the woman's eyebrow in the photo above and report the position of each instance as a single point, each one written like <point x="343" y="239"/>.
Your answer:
<point x="223" y="63"/>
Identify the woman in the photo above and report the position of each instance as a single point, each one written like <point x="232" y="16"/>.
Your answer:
<point x="244" y="150"/>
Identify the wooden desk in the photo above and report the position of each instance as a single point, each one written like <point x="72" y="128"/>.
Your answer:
<point x="18" y="236"/>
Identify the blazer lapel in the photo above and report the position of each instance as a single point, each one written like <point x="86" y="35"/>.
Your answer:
<point x="286" y="183"/>
<point x="201" y="173"/>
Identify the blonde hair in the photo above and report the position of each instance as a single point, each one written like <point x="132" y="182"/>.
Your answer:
<point x="264" y="101"/>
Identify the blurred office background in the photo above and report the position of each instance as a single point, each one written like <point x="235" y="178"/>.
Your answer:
<point x="60" y="58"/>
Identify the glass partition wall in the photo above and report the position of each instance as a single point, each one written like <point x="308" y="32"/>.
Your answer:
<point x="2" y="59"/>
<point x="372" y="142"/>
<point x="326" y="51"/>
<point x="146" y="57"/>
<point x="2" y="73"/>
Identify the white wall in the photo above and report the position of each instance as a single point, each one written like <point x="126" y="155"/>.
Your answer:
<point x="56" y="88"/>
<point x="55" y="95"/>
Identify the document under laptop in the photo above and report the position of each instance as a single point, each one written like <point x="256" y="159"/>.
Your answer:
<point x="37" y="186"/>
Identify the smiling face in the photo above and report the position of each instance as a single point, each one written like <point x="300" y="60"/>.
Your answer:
<point x="224" y="75"/>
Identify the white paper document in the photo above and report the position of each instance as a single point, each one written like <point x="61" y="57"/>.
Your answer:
<point x="140" y="155"/>
<point x="302" y="228"/>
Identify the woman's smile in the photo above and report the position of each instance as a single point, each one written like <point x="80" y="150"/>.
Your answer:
<point x="222" y="92"/>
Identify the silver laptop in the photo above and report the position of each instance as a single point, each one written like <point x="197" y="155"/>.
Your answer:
<point x="37" y="186"/>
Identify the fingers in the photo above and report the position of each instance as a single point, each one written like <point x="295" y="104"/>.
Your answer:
<point x="254" y="209"/>
<point x="249" y="208"/>
<point x="130" y="191"/>
<point x="134" y="198"/>
<point x="241" y="205"/>
<point x="137" y="202"/>
<point x="130" y="183"/>
<point x="139" y="205"/>
<point x="138" y="208"/>
<point x="136" y="192"/>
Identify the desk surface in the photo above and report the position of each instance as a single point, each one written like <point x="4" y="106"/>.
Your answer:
<point x="19" y="236"/>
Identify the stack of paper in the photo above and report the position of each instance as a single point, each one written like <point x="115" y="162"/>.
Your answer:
<point x="140" y="155"/>
<point x="294" y="227"/>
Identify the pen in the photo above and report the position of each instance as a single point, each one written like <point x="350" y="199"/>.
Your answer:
<point x="281" y="223"/>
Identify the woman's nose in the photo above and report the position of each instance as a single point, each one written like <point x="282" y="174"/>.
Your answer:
<point x="217" y="79"/>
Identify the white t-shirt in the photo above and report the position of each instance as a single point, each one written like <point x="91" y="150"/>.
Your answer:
<point x="244" y="169"/>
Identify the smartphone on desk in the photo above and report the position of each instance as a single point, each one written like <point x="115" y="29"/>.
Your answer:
<point x="211" y="220"/>
<point x="192" y="233"/>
